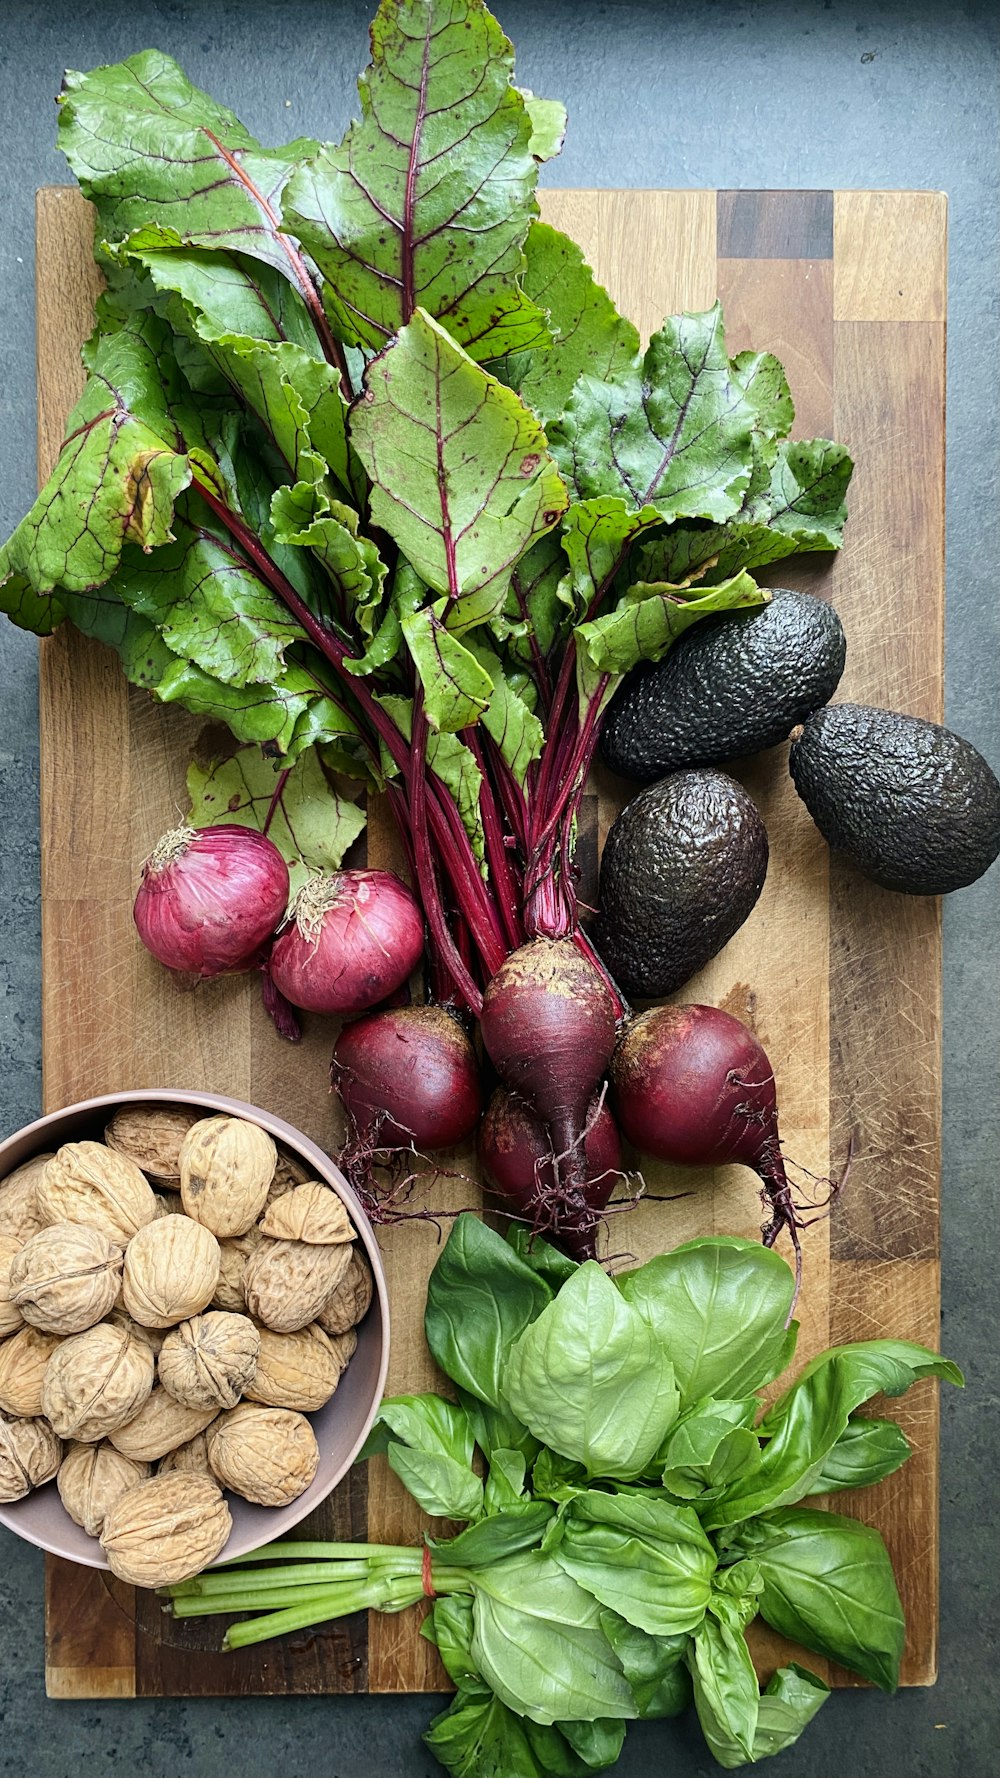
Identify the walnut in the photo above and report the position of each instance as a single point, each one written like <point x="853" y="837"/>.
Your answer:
<point x="171" y="1270"/>
<point x="10" y="1315"/>
<point x="153" y="1336"/>
<point x="289" y="1172"/>
<point x="287" y="1282"/>
<point x="166" y="1530"/>
<point x="210" y="1360"/>
<point x="91" y="1479"/>
<point x="227" y="1165"/>
<point x="96" y="1381"/>
<point x="151" y="1136"/>
<point x="29" y="1455"/>
<point x="23" y="1360"/>
<point x="310" y="1212"/>
<point x="160" y="1426"/>
<point x="66" y="1277"/>
<point x="298" y="1370"/>
<point x="349" y="1302"/>
<point x="20" y="1212"/>
<point x="233" y="1256"/>
<point x="86" y="1182"/>
<point x="268" y="1455"/>
<point x="191" y="1458"/>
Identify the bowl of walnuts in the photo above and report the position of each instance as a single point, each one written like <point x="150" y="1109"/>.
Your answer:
<point x="194" y="1331"/>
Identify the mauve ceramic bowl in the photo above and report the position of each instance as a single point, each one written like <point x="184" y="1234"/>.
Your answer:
<point x="341" y="1426"/>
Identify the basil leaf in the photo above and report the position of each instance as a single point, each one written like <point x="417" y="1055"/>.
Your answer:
<point x="505" y="1484"/>
<point x="428" y="198"/>
<point x="479" y="1737"/>
<point x="448" y="1625"/>
<point x="726" y="1694"/>
<point x="429" y="1444"/>
<point x="718" y="1307"/>
<point x="711" y="1444"/>
<point x="309" y="823"/>
<point x="787" y="1706"/>
<point x="480" y="1297"/>
<point x="538" y="1643"/>
<point x="866" y="1452"/>
<point x="653" y="1665"/>
<point x="465" y="493"/>
<point x="551" y="1264"/>
<point x="675" y="432"/>
<point x="590" y="1378"/>
<point x="502" y="1534"/>
<point x="647" y="1560"/>
<point x="555" y="1477"/>
<point x="828" y="1584"/>
<point x="806" y="1422"/>
<point x="496" y="1429"/>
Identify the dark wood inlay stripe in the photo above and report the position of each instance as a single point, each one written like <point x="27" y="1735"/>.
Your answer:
<point x="774" y="225"/>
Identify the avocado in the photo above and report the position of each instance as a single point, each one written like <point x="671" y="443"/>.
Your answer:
<point x="732" y="685"/>
<point x="914" y="806"/>
<point x="683" y="866"/>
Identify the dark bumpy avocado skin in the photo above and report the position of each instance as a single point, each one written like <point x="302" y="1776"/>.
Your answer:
<point x="914" y="806"/>
<point x="683" y="866"/>
<point x="731" y="686"/>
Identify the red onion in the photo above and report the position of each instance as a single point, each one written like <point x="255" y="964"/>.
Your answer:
<point x="353" y="937"/>
<point x="210" y="897"/>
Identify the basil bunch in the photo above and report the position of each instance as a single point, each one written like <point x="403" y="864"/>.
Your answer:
<point x="637" y="1512"/>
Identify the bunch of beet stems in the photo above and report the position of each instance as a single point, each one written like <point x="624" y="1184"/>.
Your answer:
<point x="474" y="923"/>
<point x="315" y="1583"/>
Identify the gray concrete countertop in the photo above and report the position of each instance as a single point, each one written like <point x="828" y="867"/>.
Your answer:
<point x="754" y="93"/>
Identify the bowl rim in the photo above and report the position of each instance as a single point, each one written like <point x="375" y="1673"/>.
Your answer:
<point x="327" y="1169"/>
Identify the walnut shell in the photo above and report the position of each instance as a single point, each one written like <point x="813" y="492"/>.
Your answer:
<point x="171" y="1270"/>
<point x="191" y="1458"/>
<point x="151" y="1136"/>
<point x="268" y="1455"/>
<point x="297" y="1370"/>
<point x="66" y="1277"/>
<point x="227" y="1165"/>
<point x="286" y="1283"/>
<point x="86" y="1182"/>
<point x="161" y="1424"/>
<point x="153" y="1336"/>
<point x="20" y="1211"/>
<point x="10" y="1315"/>
<point x="23" y="1361"/>
<point x="30" y="1454"/>
<point x="166" y="1530"/>
<point x="233" y="1256"/>
<point x="310" y="1212"/>
<point x="91" y="1479"/>
<point x="210" y="1360"/>
<point x="350" y="1301"/>
<point x="95" y="1381"/>
<point x="289" y="1172"/>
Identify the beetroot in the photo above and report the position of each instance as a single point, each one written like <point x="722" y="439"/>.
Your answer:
<point x="517" y="1163"/>
<point x="692" y="1086"/>
<point x="353" y="937"/>
<point x="408" y="1078"/>
<point x="548" y="1024"/>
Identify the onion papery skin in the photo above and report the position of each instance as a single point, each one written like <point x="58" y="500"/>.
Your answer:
<point x="353" y="938"/>
<point x="210" y="898"/>
<point x="409" y="1078"/>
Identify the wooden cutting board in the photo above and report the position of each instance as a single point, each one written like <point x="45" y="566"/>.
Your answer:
<point x="841" y="980"/>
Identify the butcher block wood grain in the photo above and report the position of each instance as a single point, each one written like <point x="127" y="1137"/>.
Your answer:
<point x="840" y="980"/>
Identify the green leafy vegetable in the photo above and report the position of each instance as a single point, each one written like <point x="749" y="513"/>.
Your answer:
<point x="828" y="1584"/>
<point x="726" y="1696"/>
<point x="647" y="1560"/>
<point x="429" y="1443"/>
<point x="309" y="823"/>
<point x="590" y="1378"/>
<point x="480" y="1297"/>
